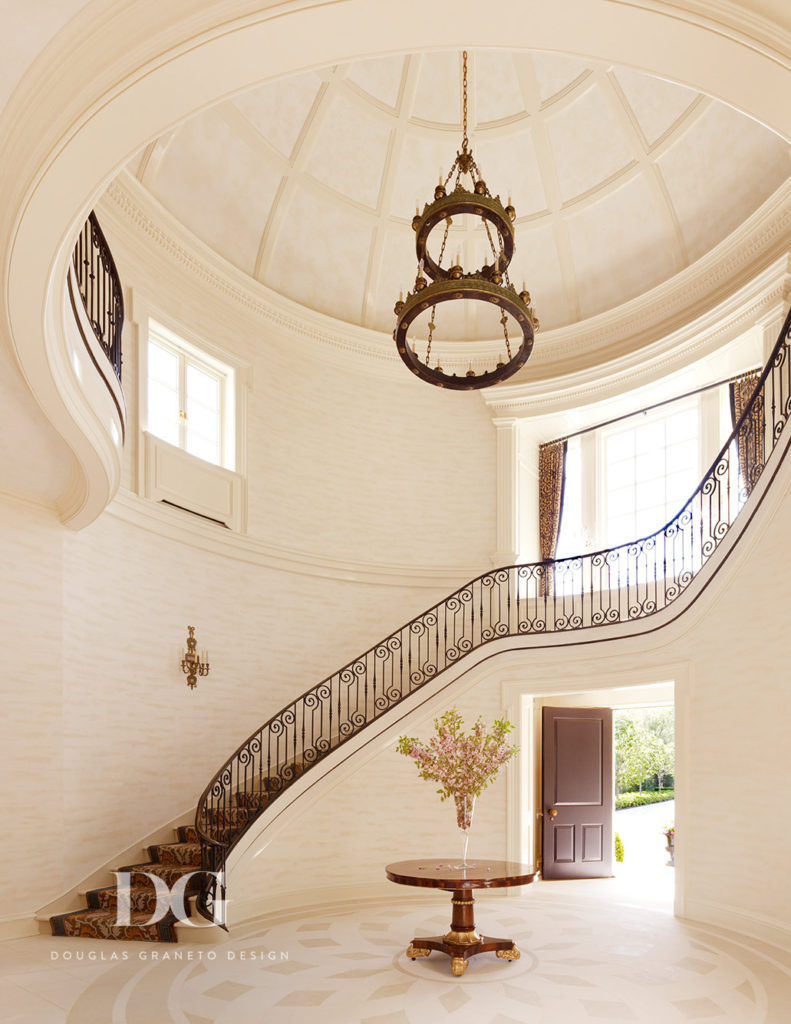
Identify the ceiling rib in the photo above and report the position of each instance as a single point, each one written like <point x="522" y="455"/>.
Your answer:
<point x="528" y="83"/>
<point x="638" y="144"/>
<point x="395" y="148"/>
<point x="303" y="148"/>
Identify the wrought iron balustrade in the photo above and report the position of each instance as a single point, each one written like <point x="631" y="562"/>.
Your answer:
<point x="100" y="289"/>
<point x="612" y="586"/>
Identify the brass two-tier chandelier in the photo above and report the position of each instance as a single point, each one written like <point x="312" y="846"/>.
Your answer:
<point x="490" y="284"/>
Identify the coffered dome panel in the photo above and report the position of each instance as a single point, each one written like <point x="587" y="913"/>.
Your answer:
<point x="552" y="73"/>
<point x="589" y="145"/>
<point x="602" y="235"/>
<point x="381" y="79"/>
<point x="714" y="172"/>
<point x="619" y="180"/>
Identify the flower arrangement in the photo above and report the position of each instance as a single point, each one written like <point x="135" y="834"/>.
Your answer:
<point x="463" y="764"/>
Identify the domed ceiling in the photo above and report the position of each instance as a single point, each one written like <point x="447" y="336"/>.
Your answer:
<point x="619" y="179"/>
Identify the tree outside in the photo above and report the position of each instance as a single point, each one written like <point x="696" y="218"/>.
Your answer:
<point x="644" y="750"/>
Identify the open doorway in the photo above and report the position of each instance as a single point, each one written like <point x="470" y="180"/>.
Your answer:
<point x="644" y="875"/>
<point x="644" y="818"/>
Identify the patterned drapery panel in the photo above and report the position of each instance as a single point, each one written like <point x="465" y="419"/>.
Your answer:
<point x="750" y="442"/>
<point x="551" y="477"/>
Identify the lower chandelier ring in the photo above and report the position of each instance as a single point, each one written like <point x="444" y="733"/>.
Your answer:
<point x="468" y="287"/>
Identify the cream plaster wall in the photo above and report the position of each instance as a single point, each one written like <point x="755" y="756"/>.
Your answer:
<point x="31" y="697"/>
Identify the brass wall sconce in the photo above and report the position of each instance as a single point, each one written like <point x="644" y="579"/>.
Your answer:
<point x="193" y="665"/>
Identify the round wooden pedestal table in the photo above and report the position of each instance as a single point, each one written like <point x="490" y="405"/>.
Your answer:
<point x="462" y="941"/>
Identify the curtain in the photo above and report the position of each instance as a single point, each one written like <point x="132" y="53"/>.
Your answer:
<point x="551" y="478"/>
<point x="750" y="442"/>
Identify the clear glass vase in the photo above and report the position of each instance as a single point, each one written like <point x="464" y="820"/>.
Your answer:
<point x="465" y="808"/>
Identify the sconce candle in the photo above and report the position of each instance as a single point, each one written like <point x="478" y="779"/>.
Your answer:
<point x="192" y="665"/>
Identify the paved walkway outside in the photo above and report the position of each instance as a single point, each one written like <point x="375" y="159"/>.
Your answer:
<point x="645" y="876"/>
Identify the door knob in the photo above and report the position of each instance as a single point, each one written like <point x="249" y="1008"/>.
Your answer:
<point x="552" y="814"/>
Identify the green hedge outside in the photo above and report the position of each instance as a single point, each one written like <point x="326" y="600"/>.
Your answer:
<point x="638" y="799"/>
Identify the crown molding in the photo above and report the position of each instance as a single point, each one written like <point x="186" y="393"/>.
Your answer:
<point x="184" y="528"/>
<point x="634" y="327"/>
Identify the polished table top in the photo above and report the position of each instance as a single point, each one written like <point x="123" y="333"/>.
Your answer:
<point x="479" y="873"/>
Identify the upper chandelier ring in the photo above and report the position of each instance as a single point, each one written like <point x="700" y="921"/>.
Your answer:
<point x="459" y="202"/>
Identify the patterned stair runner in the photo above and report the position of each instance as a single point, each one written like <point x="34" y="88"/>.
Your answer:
<point x="170" y="861"/>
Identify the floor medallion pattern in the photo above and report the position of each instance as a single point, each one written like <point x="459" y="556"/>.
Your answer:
<point x="581" y="963"/>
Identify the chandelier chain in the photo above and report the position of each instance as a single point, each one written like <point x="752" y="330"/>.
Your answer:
<point x="444" y="242"/>
<point x="502" y="253"/>
<point x="465" y="142"/>
<point x="491" y="241"/>
<point x="504" y="322"/>
<point x="431" y="326"/>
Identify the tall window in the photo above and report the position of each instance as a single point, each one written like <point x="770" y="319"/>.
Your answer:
<point x="627" y="480"/>
<point x="650" y="468"/>
<point x="190" y="398"/>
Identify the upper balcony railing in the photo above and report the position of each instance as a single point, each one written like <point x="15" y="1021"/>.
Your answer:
<point x="616" y="585"/>
<point x="100" y="289"/>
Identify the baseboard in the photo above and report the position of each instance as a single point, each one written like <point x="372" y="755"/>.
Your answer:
<point x="735" y="919"/>
<point x="18" y="927"/>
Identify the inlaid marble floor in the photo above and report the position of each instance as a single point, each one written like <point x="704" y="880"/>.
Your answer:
<point x="584" y="961"/>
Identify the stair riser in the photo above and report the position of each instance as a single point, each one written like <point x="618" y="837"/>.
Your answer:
<point x="179" y="854"/>
<point x="105" y="928"/>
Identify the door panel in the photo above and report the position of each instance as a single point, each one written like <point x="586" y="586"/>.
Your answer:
<point x="564" y="844"/>
<point x="577" y="792"/>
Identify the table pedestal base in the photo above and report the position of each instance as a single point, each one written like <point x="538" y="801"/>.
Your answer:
<point x="462" y="941"/>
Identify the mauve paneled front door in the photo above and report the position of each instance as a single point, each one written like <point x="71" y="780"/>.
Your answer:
<point x="577" y="792"/>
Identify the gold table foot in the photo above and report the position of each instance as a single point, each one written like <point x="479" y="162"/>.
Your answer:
<point x="415" y="951"/>
<point x="509" y="954"/>
<point x="458" y="965"/>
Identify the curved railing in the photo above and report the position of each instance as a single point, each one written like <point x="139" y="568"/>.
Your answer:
<point x="616" y="585"/>
<point x="100" y="289"/>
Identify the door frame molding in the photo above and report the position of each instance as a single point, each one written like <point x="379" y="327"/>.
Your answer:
<point x="519" y="693"/>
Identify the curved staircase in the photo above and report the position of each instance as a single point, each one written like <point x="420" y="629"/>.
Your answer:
<point x="604" y="588"/>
